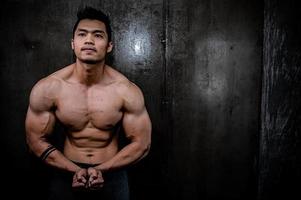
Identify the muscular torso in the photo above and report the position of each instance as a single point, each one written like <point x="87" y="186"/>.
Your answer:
<point x="91" y="116"/>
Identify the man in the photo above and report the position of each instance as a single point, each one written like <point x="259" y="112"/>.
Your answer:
<point x="91" y="100"/>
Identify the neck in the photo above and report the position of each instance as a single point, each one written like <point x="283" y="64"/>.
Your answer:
<point x="89" y="74"/>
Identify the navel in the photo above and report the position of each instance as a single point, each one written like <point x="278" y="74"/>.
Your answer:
<point x="89" y="155"/>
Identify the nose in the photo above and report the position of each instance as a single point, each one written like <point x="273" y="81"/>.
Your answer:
<point x="89" y="39"/>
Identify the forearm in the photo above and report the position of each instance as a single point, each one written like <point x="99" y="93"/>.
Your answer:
<point x="130" y="154"/>
<point x="51" y="156"/>
<point x="58" y="160"/>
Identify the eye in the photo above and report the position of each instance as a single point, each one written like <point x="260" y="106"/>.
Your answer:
<point x="99" y="35"/>
<point x="81" y="34"/>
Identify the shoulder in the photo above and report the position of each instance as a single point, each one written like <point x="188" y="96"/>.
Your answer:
<point x="47" y="86"/>
<point x="45" y="92"/>
<point x="122" y="83"/>
<point x="129" y="89"/>
<point x="130" y="93"/>
<point x="52" y="83"/>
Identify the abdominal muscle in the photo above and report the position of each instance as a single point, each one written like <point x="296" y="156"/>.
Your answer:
<point x="91" y="145"/>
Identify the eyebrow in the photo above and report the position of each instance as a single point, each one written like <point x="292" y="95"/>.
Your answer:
<point x="90" y="31"/>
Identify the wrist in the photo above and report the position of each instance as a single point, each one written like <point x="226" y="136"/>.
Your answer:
<point x="101" y="168"/>
<point x="75" y="168"/>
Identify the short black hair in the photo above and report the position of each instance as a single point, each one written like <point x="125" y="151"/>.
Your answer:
<point x="94" y="14"/>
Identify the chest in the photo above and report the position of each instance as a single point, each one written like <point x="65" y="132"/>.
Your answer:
<point x="78" y="107"/>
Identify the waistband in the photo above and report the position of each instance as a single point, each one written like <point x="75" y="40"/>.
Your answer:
<point x="85" y="165"/>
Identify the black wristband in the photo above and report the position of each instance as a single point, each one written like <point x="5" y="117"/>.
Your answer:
<point x="46" y="153"/>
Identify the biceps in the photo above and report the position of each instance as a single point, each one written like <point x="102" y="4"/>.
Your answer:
<point x="137" y="126"/>
<point x="39" y="124"/>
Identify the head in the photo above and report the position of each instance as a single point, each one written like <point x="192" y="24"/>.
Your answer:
<point x="93" y="14"/>
<point x="91" y="36"/>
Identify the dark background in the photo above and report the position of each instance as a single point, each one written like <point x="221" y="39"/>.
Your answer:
<point x="221" y="80"/>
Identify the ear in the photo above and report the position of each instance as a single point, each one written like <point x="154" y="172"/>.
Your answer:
<point x="110" y="47"/>
<point x="72" y="44"/>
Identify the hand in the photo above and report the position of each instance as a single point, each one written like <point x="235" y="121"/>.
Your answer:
<point x="80" y="179"/>
<point x="95" y="178"/>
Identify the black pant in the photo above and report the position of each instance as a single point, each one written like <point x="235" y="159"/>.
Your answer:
<point x="115" y="187"/>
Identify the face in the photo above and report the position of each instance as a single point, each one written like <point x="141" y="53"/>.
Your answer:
<point x="90" y="42"/>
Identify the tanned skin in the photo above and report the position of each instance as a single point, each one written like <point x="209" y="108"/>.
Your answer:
<point x="91" y="99"/>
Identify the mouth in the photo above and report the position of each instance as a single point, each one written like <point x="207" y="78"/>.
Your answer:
<point x="88" y="49"/>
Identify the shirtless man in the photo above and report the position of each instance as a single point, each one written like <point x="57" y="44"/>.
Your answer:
<point x="91" y="99"/>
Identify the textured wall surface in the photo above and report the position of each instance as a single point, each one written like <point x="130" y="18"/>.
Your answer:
<point x="280" y="151"/>
<point x="198" y="64"/>
<point x="214" y="62"/>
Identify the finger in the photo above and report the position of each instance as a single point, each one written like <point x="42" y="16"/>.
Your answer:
<point x="90" y="183"/>
<point x="81" y="173"/>
<point x="92" y="172"/>
<point x="82" y="180"/>
<point x="77" y="184"/>
<point x="94" y="182"/>
<point x="92" y="178"/>
<point x="96" y="186"/>
<point x="97" y="182"/>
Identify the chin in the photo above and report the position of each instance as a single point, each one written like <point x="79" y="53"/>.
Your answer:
<point x="90" y="61"/>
